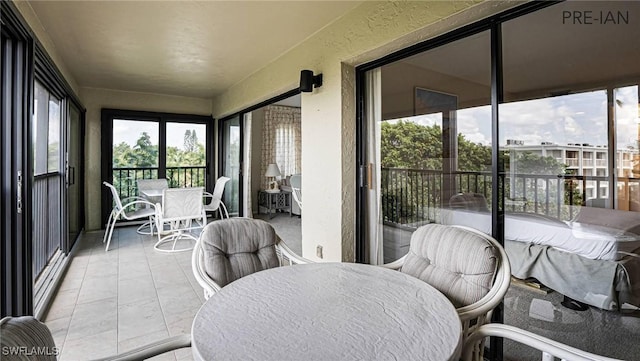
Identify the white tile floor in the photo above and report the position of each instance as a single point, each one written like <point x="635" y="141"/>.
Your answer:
<point x="110" y="302"/>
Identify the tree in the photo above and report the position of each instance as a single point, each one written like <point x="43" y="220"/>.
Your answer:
<point x="145" y="153"/>
<point x="190" y="141"/>
<point x="411" y="145"/>
<point x="418" y="148"/>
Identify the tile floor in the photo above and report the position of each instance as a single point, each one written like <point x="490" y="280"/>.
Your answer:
<point x="110" y="302"/>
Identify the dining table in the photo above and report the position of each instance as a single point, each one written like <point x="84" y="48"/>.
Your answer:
<point x="327" y="311"/>
<point x="152" y="195"/>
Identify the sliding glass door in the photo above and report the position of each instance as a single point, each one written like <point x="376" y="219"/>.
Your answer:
<point x="74" y="174"/>
<point x="15" y="235"/>
<point x="525" y="127"/>
<point x="428" y="142"/>
<point x="230" y="136"/>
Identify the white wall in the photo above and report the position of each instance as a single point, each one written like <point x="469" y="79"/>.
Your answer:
<point x="368" y="32"/>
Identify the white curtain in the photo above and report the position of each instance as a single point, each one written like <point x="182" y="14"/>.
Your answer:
<point x="374" y="205"/>
<point x="281" y="140"/>
<point x="246" y="171"/>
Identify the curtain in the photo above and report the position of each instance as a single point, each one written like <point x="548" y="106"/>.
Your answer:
<point x="246" y="171"/>
<point x="281" y="140"/>
<point x="374" y="207"/>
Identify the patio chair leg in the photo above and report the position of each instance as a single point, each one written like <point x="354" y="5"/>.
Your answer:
<point x="106" y="230"/>
<point x="225" y="210"/>
<point x="113" y="225"/>
<point x="146" y="224"/>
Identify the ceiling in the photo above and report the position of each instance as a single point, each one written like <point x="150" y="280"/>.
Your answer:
<point x="544" y="53"/>
<point x="185" y="48"/>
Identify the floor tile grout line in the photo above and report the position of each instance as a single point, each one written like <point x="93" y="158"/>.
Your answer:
<point x="75" y="304"/>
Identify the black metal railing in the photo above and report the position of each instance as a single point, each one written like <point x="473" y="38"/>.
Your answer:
<point x="411" y="197"/>
<point x="47" y="220"/>
<point x="125" y="179"/>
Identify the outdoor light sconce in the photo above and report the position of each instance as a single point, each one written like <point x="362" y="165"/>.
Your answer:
<point x="308" y="81"/>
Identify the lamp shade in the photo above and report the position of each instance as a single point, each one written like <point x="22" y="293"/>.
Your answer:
<point x="272" y="170"/>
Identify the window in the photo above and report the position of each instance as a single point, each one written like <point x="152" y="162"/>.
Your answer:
<point x="46" y="131"/>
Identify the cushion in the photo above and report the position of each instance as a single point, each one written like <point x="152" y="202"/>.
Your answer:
<point x="459" y="263"/>
<point x="236" y="247"/>
<point x="611" y="218"/>
<point x="470" y="201"/>
<point x="31" y="335"/>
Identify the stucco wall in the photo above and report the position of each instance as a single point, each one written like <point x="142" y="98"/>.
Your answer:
<point x="96" y="99"/>
<point x="34" y="23"/>
<point x="368" y="32"/>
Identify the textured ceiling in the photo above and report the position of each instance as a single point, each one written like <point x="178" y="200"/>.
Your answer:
<point x="187" y="48"/>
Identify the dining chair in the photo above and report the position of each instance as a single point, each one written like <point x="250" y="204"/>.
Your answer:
<point x="120" y="208"/>
<point x="550" y="349"/>
<point x="144" y="185"/>
<point x="229" y="249"/>
<point x="28" y="334"/>
<point x="180" y="212"/>
<point x="469" y="267"/>
<point x="213" y="201"/>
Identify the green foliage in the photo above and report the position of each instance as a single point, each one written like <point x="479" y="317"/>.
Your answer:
<point x="530" y="163"/>
<point x="411" y="145"/>
<point x="190" y="141"/>
<point x="410" y="194"/>
<point x="414" y="146"/>
<point x="145" y="155"/>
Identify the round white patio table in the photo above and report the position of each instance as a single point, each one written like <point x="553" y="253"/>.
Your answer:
<point x="327" y="312"/>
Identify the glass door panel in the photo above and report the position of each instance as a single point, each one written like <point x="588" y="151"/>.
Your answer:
<point x="569" y="136"/>
<point x="75" y="207"/>
<point x="429" y="143"/>
<point x="186" y="154"/>
<point x="135" y="154"/>
<point x="627" y="120"/>
<point x="231" y="163"/>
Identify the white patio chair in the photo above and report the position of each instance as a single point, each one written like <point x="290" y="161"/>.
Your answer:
<point x="29" y="334"/>
<point x="229" y="249"/>
<point x="549" y="348"/>
<point x="148" y="184"/>
<point x="213" y="202"/>
<point x="296" y="189"/>
<point x="120" y="210"/>
<point x="468" y="266"/>
<point x="180" y="213"/>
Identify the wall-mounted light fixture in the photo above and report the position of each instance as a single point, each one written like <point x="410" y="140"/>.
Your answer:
<point x="308" y="81"/>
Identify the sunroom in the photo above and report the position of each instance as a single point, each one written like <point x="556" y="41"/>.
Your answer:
<point x="518" y="119"/>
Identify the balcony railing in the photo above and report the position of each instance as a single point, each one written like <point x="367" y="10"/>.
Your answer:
<point x="414" y="196"/>
<point x="125" y="179"/>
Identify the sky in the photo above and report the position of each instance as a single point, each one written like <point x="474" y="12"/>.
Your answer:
<point x="129" y="131"/>
<point x="575" y="118"/>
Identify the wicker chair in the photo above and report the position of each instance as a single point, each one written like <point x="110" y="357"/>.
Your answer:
<point x="468" y="266"/>
<point x="549" y="348"/>
<point x="28" y="334"/>
<point x="229" y="249"/>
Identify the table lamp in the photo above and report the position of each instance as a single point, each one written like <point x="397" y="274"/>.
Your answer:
<point x="272" y="172"/>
